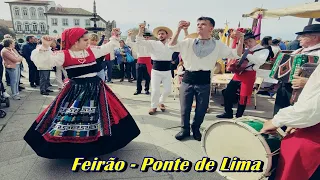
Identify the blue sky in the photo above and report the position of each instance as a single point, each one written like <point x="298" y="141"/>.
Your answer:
<point x="129" y="13"/>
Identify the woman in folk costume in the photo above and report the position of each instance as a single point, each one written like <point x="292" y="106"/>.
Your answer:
<point x="86" y="119"/>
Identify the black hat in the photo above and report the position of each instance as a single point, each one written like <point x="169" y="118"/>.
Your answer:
<point x="147" y="34"/>
<point x="275" y="41"/>
<point x="250" y="36"/>
<point x="313" y="28"/>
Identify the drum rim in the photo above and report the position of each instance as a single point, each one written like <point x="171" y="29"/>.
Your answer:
<point x="253" y="131"/>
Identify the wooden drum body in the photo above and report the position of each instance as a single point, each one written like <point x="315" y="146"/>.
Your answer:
<point x="241" y="138"/>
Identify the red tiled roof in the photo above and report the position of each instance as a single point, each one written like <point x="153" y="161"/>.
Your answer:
<point x="6" y="23"/>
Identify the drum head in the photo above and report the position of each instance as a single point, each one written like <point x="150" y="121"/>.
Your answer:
<point x="231" y="139"/>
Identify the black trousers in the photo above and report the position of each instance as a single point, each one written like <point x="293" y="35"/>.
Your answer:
<point x="230" y="95"/>
<point x="1" y="76"/>
<point x="187" y="93"/>
<point x="283" y="97"/>
<point x="133" y="69"/>
<point x="34" y="77"/>
<point x="125" y="68"/>
<point x="142" y="73"/>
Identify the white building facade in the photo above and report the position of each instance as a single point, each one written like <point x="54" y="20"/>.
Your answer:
<point x="40" y="18"/>
<point x="28" y="17"/>
<point x="60" y="18"/>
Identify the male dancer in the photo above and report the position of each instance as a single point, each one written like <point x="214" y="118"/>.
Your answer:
<point x="144" y="65"/>
<point x="161" y="71"/>
<point x="199" y="57"/>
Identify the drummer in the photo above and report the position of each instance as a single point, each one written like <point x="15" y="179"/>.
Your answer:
<point x="300" y="150"/>
<point x="310" y="41"/>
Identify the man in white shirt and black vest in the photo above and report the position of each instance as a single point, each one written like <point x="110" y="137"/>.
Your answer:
<point x="245" y="80"/>
<point x="161" y="57"/>
<point x="199" y="56"/>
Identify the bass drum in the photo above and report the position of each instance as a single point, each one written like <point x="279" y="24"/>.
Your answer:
<point x="241" y="138"/>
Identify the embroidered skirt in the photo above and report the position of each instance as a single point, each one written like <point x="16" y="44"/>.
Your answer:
<point x="85" y="120"/>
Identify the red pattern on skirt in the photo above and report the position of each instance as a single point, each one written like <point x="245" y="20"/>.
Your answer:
<point x="299" y="154"/>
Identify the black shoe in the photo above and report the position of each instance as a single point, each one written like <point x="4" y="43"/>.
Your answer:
<point x="33" y="85"/>
<point x="136" y="93"/>
<point x="21" y="83"/>
<point x="196" y="133"/>
<point x="121" y="80"/>
<point x="147" y="92"/>
<point x="48" y="91"/>
<point x="44" y="93"/>
<point x="50" y="85"/>
<point x="225" y="115"/>
<point x="20" y="87"/>
<point x="182" y="134"/>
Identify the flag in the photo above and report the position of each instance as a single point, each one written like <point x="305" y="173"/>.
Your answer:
<point x="258" y="28"/>
<point x="224" y="35"/>
<point x="239" y="25"/>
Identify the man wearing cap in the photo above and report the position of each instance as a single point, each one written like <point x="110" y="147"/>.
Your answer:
<point x="199" y="56"/>
<point x="257" y="56"/>
<point x="161" y="56"/>
<point x="310" y="41"/>
<point x="144" y="65"/>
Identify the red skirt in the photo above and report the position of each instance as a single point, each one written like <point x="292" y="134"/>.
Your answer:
<point x="247" y="79"/>
<point x="299" y="154"/>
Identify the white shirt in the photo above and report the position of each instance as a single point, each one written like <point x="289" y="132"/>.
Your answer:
<point x="157" y="50"/>
<point x="141" y="51"/>
<point x="258" y="58"/>
<point x="191" y="62"/>
<point x="57" y="58"/>
<point x="275" y="50"/>
<point x="306" y="111"/>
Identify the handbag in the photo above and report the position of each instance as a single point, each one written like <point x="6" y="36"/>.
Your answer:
<point x="129" y="58"/>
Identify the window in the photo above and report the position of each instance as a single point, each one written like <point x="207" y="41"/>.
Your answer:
<point x="65" y="22"/>
<point x="26" y="26"/>
<point x="88" y="23"/>
<point x="34" y="26"/>
<point x="54" y="21"/>
<point x="77" y="22"/>
<point x="41" y="12"/>
<point x="42" y="27"/>
<point x="16" y="11"/>
<point x="19" y="26"/>
<point x="24" y="11"/>
<point x="33" y="12"/>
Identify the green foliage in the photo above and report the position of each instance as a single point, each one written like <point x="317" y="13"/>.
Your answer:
<point x="5" y="30"/>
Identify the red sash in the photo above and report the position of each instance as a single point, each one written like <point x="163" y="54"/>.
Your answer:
<point x="147" y="62"/>
<point x="299" y="154"/>
<point x="247" y="79"/>
<point x="107" y="58"/>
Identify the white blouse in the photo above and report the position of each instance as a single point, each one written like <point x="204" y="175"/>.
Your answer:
<point x="57" y="58"/>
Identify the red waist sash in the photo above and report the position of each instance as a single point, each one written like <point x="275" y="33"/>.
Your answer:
<point x="147" y="62"/>
<point x="247" y="79"/>
<point x="299" y="154"/>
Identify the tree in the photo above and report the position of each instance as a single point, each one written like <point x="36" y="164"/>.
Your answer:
<point x="5" y="30"/>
